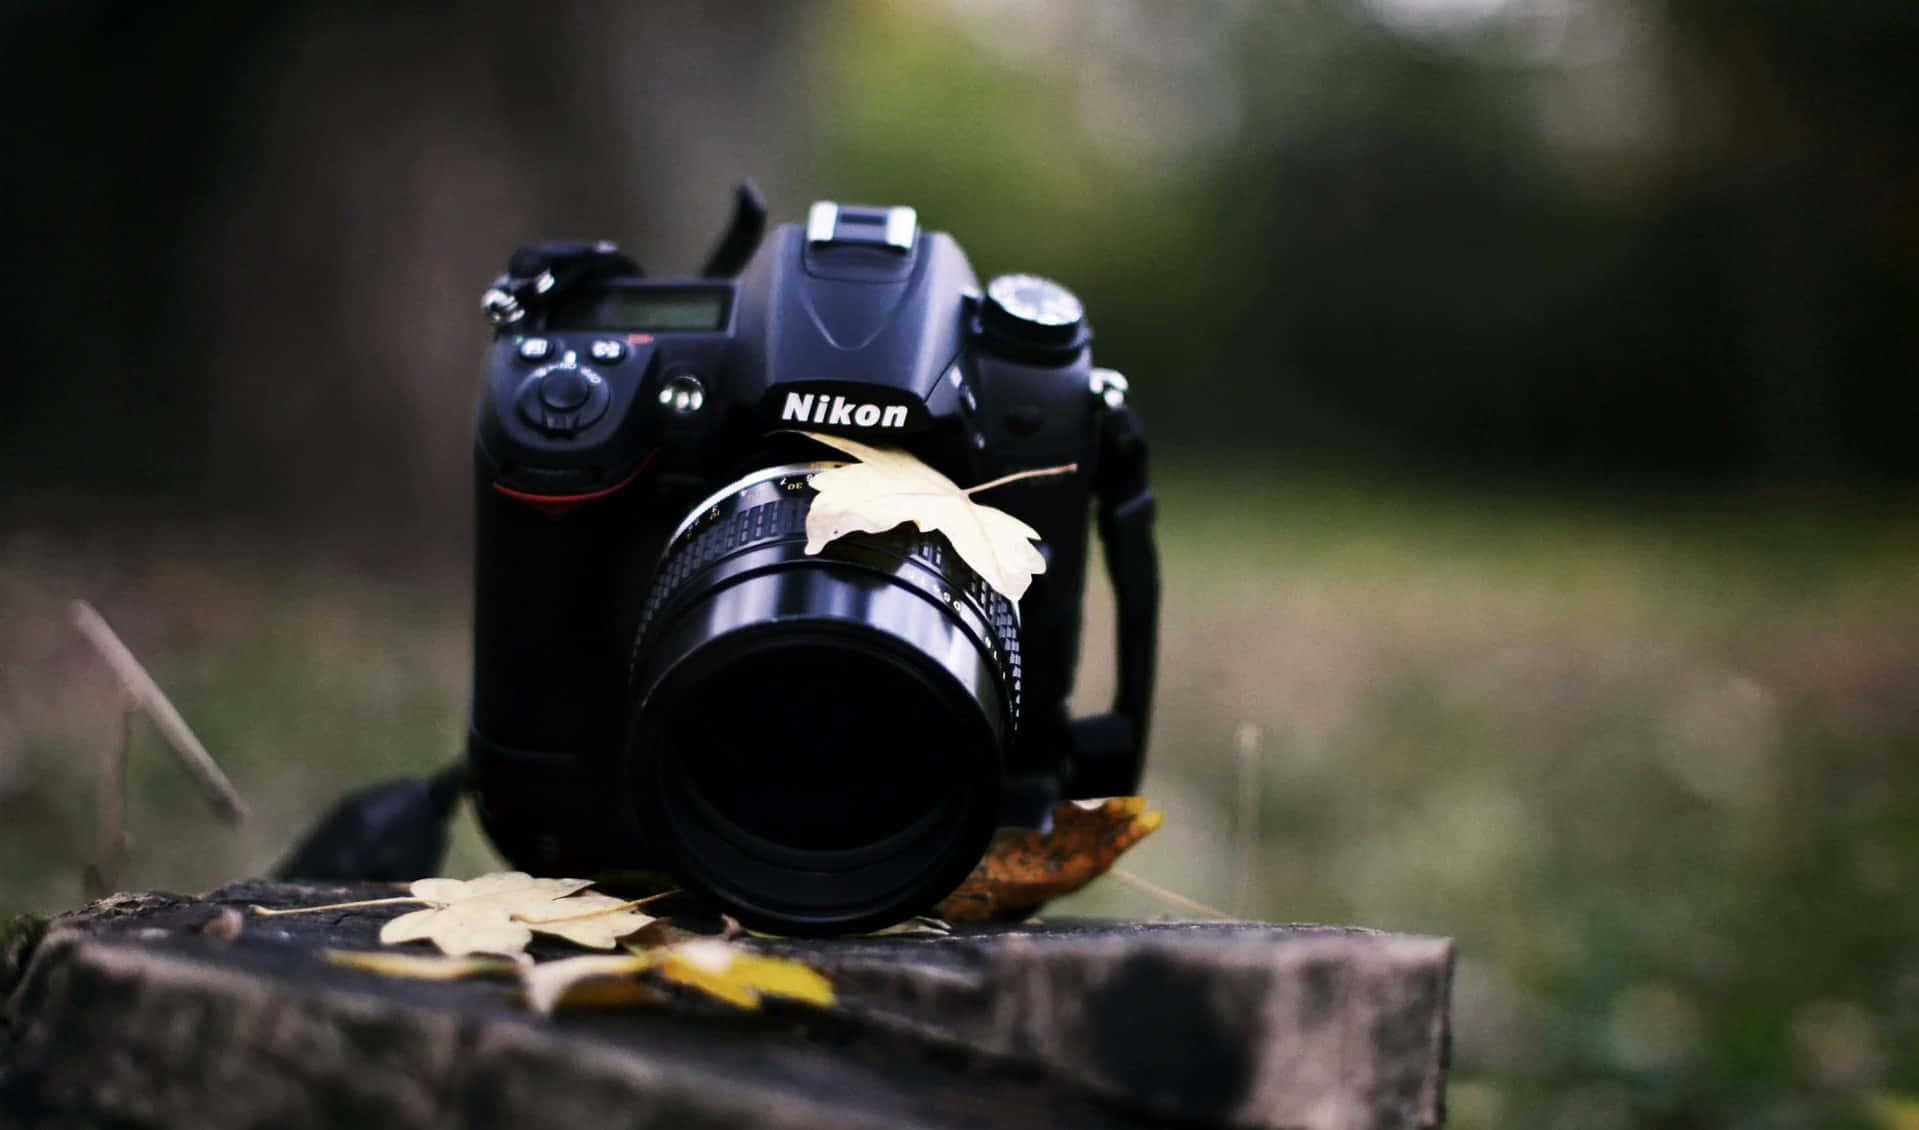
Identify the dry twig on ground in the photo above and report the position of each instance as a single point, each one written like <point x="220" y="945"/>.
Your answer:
<point x="142" y="696"/>
<point x="151" y="701"/>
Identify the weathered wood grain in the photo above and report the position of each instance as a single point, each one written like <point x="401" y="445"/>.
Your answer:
<point x="135" y="1011"/>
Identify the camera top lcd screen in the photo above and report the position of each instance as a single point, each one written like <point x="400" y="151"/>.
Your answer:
<point x="642" y="311"/>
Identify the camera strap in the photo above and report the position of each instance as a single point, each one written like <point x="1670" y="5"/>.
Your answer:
<point x="1109" y="750"/>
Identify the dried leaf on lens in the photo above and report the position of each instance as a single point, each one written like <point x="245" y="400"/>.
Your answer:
<point x="1026" y="868"/>
<point x="888" y="487"/>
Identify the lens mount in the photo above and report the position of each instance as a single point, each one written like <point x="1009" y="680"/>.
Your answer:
<point x="816" y="741"/>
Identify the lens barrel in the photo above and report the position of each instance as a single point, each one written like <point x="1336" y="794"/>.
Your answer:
<point x="817" y="741"/>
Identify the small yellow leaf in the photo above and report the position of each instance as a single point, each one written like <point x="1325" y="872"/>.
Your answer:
<point x="610" y="992"/>
<point x="714" y="980"/>
<point x="740" y="978"/>
<point x="549" y="983"/>
<point x="888" y="487"/>
<point x="420" y="966"/>
<point x="784" y="978"/>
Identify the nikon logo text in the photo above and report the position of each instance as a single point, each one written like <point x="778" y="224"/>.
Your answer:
<point x="837" y="411"/>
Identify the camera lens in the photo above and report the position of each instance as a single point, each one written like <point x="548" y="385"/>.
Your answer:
<point x="816" y="741"/>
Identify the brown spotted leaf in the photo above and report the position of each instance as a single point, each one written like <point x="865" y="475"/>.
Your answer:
<point x="1025" y="868"/>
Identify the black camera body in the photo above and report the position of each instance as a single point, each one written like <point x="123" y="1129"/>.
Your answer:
<point x="665" y="682"/>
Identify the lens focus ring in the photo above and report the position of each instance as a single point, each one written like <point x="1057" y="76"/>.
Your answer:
<point x="729" y="528"/>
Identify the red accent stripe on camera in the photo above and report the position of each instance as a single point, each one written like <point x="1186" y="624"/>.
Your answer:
<point x="553" y="505"/>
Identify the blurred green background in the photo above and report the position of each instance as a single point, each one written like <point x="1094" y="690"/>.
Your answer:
<point x="1532" y="385"/>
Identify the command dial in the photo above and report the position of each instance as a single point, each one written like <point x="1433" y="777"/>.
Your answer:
<point x="1027" y="311"/>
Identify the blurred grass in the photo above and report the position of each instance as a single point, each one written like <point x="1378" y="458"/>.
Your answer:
<point x="1654" y="770"/>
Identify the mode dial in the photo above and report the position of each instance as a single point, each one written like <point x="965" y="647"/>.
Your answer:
<point x="1027" y="313"/>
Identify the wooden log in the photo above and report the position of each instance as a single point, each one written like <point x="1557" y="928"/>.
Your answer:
<point x="144" y="1010"/>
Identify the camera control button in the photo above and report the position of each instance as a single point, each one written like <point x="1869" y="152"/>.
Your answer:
<point x="535" y="349"/>
<point x="682" y="394"/>
<point x="608" y="351"/>
<point x="565" y="389"/>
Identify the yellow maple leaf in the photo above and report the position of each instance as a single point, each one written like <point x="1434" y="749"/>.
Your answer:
<point x="498" y="913"/>
<point x="888" y="487"/>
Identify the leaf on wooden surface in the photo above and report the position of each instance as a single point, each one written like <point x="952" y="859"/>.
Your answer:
<point x="422" y="966"/>
<point x="498" y="914"/>
<point x="888" y="487"/>
<point x="716" y="968"/>
<point x="589" y="919"/>
<point x="729" y="973"/>
<point x="919" y="926"/>
<point x="1025" y="868"/>
<point x="719" y="969"/>
<point x="597" y="979"/>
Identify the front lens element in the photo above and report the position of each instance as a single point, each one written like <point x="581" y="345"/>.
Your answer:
<point x="866" y="744"/>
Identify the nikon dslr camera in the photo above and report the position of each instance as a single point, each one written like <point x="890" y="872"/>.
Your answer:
<point x="665" y="682"/>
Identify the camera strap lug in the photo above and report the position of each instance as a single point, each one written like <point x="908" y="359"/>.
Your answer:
<point x="537" y="273"/>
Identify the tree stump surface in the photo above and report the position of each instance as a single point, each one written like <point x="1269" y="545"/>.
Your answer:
<point x="135" y="1011"/>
